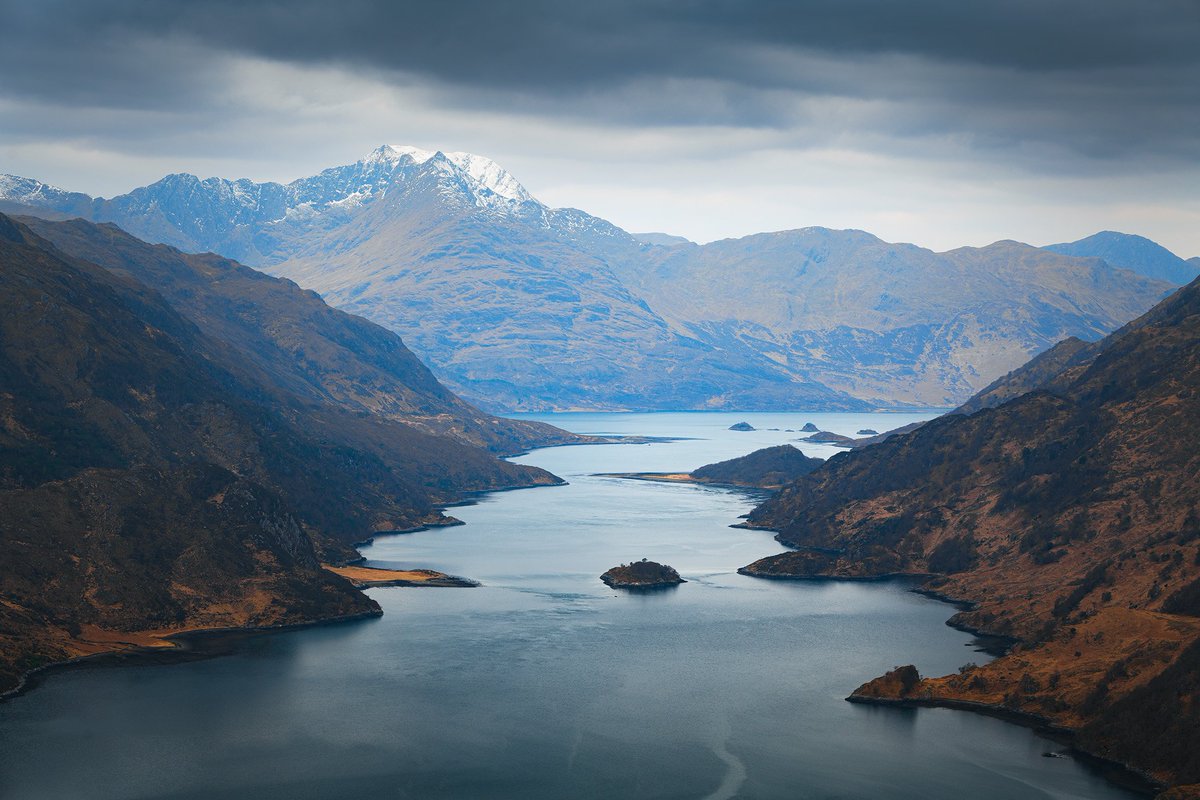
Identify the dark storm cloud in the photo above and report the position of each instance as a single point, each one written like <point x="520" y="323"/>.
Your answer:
<point x="1096" y="78"/>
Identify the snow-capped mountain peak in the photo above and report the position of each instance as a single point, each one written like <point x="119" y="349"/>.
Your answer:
<point x="34" y="192"/>
<point x="482" y="174"/>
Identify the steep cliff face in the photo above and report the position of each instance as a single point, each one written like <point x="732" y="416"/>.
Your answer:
<point x="1067" y="516"/>
<point x="155" y="478"/>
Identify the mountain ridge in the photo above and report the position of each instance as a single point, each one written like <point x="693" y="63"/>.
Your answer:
<point x="518" y="306"/>
<point x="1132" y="252"/>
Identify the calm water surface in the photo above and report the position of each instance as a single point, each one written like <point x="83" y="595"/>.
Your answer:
<point x="544" y="683"/>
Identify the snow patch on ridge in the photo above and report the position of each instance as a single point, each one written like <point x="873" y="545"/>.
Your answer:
<point x="14" y="187"/>
<point x="481" y="172"/>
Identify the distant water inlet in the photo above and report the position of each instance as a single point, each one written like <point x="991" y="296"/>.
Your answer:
<point x="545" y="683"/>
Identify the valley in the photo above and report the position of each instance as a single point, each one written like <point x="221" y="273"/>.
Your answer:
<point x="542" y="401"/>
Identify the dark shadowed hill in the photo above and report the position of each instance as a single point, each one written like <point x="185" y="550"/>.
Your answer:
<point x="768" y="468"/>
<point x="154" y="478"/>
<point x="304" y="349"/>
<point x="1066" y="516"/>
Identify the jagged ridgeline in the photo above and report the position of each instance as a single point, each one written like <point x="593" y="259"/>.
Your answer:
<point x="183" y="441"/>
<point x="1066" y="510"/>
<point x="523" y="307"/>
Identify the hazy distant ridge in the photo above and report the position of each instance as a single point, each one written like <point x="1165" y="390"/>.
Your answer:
<point x="520" y="306"/>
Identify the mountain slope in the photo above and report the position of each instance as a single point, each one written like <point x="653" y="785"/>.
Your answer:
<point x="519" y="306"/>
<point x="857" y="314"/>
<point x="154" y="479"/>
<point x="1136" y="253"/>
<point x="299" y="343"/>
<point x="1067" y="519"/>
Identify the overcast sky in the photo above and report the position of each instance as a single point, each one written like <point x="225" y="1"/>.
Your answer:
<point x="940" y="122"/>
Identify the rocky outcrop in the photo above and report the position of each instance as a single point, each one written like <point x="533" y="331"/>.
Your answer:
<point x="741" y="426"/>
<point x="642" y="575"/>
<point x="769" y="468"/>
<point x="899" y="684"/>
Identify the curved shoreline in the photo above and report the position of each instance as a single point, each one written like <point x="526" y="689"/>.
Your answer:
<point x="180" y="642"/>
<point x="1117" y="772"/>
<point x="175" y="644"/>
<point x="177" y="647"/>
<point x="687" y="478"/>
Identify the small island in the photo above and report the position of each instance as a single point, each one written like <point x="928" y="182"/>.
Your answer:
<point x="642" y="575"/>
<point x="741" y="426"/>
<point x="828" y="437"/>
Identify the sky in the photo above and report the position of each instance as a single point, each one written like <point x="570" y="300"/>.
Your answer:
<point x="939" y="122"/>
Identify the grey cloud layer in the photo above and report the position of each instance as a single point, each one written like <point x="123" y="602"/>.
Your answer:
<point x="1101" y="79"/>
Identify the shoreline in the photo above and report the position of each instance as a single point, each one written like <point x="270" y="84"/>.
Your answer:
<point x="178" y="646"/>
<point x="595" y="439"/>
<point x="1116" y="772"/>
<point x="377" y="577"/>
<point x="175" y="647"/>
<point x="1119" y="773"/>
<point x="688" y="479"/>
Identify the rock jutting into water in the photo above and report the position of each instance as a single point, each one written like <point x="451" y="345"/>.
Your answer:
<point x="741" y="426"/>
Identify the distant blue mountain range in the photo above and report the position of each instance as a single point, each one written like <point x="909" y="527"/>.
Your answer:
<point x="519" y="306"/>
<point x="1133" y="252"/>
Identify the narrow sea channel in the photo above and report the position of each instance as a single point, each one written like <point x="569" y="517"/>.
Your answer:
<point x="545" y="683"/>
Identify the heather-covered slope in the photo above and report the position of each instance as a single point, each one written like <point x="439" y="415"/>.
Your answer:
<point x="1038" y="372"/>
<point x="1067" y="518"/>
<point x="153" y="479"/>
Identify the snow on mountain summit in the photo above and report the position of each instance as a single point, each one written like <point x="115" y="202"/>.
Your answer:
<point x="481" y="172"/>
<point x="248" y="220"/>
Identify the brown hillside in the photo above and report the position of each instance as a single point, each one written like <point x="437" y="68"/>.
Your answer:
<point x="1068" y="519"/>
<point x="153" y="479"/>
